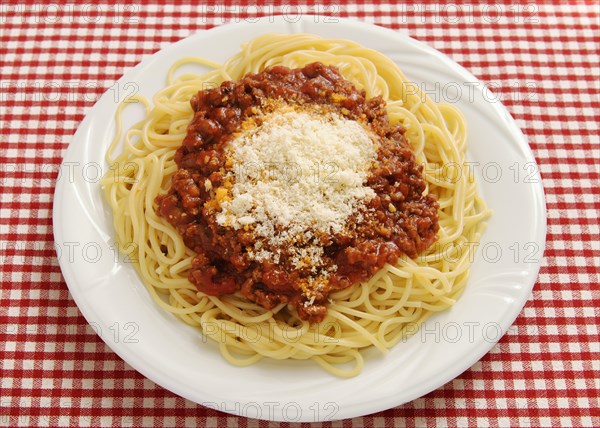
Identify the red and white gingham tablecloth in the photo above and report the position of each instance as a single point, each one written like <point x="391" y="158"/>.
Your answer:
<point x="541" y="59"/>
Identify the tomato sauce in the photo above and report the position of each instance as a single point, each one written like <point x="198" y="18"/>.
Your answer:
<point x="398" y="220"/>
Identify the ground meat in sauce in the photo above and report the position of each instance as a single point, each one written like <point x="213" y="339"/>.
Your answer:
<point x="399" y="219"/>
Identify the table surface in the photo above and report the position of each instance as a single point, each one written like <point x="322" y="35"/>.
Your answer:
<point x="541" y="60"/>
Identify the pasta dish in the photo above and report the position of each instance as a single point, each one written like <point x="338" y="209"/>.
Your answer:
<point x="303" y="200"/>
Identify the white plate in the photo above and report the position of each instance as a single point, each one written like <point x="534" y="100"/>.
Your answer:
<point x="161" y="347"/>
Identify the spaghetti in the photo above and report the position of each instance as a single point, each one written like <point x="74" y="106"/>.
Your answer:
<point x="379" y="312"/>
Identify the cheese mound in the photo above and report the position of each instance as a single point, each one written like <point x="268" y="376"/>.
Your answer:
<point x="297" y="175"/>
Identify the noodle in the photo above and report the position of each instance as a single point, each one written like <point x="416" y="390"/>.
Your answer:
<point x="378" y="313"/>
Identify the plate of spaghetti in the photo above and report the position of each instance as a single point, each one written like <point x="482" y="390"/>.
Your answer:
<point x="284" y="223"/>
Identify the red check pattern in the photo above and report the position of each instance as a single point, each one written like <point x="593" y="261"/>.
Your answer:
<point x="541" y="59"/>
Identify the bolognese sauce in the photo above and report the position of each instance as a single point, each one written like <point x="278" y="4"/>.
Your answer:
<point x="290" y="247"/>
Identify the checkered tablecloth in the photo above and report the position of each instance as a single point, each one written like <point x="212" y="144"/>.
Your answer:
<point x="541" y="59"/>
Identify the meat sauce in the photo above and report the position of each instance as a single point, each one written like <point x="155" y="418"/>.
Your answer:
<point x="398" y="220"/>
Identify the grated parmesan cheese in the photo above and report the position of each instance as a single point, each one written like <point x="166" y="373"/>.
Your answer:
<point x="297" y="175"/>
